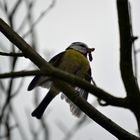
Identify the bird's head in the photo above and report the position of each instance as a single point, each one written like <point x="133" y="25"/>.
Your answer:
<point x="82" y="48"/>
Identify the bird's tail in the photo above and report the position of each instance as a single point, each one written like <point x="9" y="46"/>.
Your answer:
<point x="76" y="111"/>
<point x="38" y="112"/>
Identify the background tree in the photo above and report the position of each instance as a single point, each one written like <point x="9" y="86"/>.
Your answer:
<point x="131" y="101"/>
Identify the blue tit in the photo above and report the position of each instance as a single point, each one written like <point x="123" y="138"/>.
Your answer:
<point x="73" y="60"/>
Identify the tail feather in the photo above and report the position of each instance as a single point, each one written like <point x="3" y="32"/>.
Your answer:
<point x="76" y="111"/>
<point x="40" y="81"/>
<point x="33" y="82"/>
<point x="38" y="112"/>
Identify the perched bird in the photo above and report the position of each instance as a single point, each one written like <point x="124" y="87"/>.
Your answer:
<point x="73" y="60"/>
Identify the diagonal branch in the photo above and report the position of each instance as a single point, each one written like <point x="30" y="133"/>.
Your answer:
<point x="74" y="80"/>
<point x="95" y="115"/>
<point x="15" y="8"/>
<point x="43" y="13"/>
<point x="80" y="102"/>
<point x="40" y="62"/>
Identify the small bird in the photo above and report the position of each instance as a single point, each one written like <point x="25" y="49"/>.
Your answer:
<point x="73" y="60"/>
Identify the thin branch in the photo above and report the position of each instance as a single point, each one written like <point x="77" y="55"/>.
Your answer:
<point x="30" y="21"/>
<point x="39" y="18"/>
<point x="40" y="62"/>
<point x="19" y="74"/>
<point x="5" y="7"/>
<point x="15" y="8"/>
<point x="72" y="79"/>
<point x="11" y="54"/>
<point x="2" y="86"/>
<point x="94" y="114"/>
<point x="80" y="102"/>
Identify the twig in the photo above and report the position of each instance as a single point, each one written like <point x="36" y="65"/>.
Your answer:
<point x="40" y="62"/>
<point x="95" y="115"/>
<point x="40" y="17"/>
<point x="101" y="94"/>
<point x="20" y="74"/>
<point x="15" y="8"/>
<point x="80" y="102"/>
<point x="11" y="54"/>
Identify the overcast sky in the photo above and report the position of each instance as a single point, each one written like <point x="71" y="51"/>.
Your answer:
<point x="95" y="23"/>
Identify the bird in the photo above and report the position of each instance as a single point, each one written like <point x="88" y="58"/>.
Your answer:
<point x="75" y="60"/>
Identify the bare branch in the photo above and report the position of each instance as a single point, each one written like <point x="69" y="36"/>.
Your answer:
<point x="40" y="17"/>
<point x="19" y="74"/>
<point x="11" y="54"/>
<point x="5" y="8"/>
<point x="15" y="8"/>
<point x="125" y="26"/>
<point x="72" y="79"/>
<point x="95" y="115"/>
<point x="40" y="62"/>
<point x="80" y="102"/>
<point x="126" y="67"/>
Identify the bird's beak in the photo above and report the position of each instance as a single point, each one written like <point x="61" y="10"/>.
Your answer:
<point x="91" y="50"/>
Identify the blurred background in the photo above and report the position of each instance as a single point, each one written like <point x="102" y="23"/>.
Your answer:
<point x="51" y="26"/>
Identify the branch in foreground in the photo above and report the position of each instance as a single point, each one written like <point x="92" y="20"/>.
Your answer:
<point x="74" y="80"/>
<point x="41" y="63"/>
<point x="95" y="115"/>
<point x="81" y="103"/>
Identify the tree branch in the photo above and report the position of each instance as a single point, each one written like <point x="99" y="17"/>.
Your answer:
<point x="43" y="13"/>
<point x="81" y="103"/>
<point x="19" y="74"/>
<point x="74" y="80"/>
<point x="11" y="54"/>
<point x="15" y="8"/>
<point x="126" y="40"/>
<point x="40" y="62"/>
<point x="95" y="115"/>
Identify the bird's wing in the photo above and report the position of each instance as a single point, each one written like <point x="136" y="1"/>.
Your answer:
<point x="40" y="80"/>
<point x="87" y="78"/>
<point x="81" y="92"/>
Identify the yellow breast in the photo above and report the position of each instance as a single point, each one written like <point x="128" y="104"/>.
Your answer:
<point x="75" y="63"/>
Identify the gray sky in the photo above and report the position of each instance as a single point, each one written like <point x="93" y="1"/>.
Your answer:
<point x="95" y="23"/>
